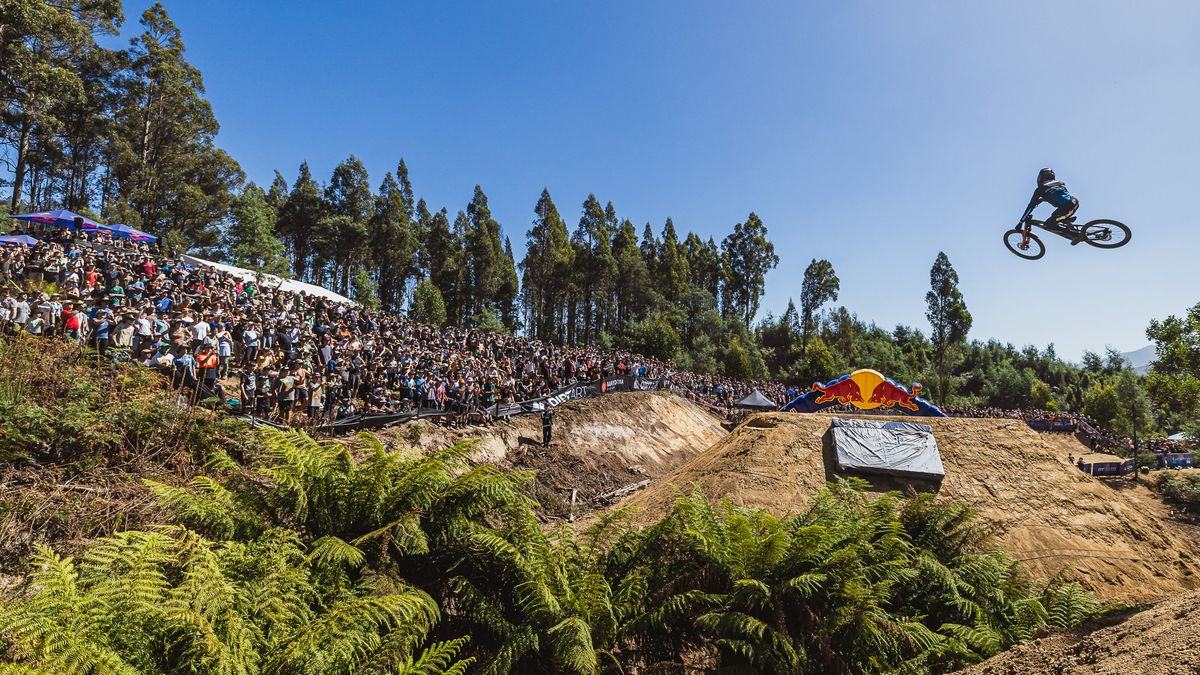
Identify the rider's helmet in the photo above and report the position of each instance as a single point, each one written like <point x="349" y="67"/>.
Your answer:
<point x="1045" y="176"/>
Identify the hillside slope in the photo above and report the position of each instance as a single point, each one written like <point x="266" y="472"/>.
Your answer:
<point x="1164" y="640"/>
<point x="1046" y="513"/>
<point x="599" y="445"/>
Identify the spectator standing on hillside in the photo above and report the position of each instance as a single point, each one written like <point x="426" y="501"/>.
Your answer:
<point x="101" y="328"/>
<point x="286" y="390"/>
<point x="206" y="363"/>
<point x="547" y="426"/>
<point x="185" y="367"/>
<point x="249" y="382"/>
<point x="251" y="338"/>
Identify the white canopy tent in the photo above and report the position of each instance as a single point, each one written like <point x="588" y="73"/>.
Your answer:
<point x="269" y="280"/>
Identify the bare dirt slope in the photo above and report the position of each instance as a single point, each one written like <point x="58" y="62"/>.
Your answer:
<point x="599" y="445"/>
<point x="1163" y="640"/>
<point x="1047" y="513"/>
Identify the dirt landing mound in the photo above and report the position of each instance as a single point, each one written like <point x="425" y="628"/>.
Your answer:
<point x="599" y="446"/>
<point x="1046" y="512"/>
<point x="1162" y="640"/>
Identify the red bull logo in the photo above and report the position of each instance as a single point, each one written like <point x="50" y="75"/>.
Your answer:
<point x="854" y="388"/>
<point x="890" y="395"/>
<point x="844" y="390"/>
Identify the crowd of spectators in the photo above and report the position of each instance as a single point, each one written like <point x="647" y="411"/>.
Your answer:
<point x="721" y="393"/>
<point x="1027" y="415"/>
<point x="290" y="357"/>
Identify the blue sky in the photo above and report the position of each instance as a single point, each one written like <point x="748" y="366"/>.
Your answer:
<point x="873" y="134"/>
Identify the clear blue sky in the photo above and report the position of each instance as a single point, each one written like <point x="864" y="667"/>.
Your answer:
<point x="873" y="134"/>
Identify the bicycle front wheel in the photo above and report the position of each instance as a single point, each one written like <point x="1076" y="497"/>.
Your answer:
<point x="1027" y="246"/>
<point x="1106" y="233"/>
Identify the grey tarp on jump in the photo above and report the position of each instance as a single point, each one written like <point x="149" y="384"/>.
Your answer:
<point x="893" y="448"/>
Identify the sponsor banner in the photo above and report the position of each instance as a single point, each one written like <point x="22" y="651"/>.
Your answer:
<point x="613" y="384"/>
<point x="1178" y="460"/>
<point x="1109" y="468"/>
<point x="567" y="394"/>
<point x="643" y="384"/>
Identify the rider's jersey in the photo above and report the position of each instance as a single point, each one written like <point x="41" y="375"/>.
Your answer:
<point x="1054" y="193"/>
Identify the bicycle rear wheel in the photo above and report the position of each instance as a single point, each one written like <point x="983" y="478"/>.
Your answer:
<point x="1029" y="249"/>
<point x="1106" y="233"/>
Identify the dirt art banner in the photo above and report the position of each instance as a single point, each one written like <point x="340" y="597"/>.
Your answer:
<point x="865" y="389"/>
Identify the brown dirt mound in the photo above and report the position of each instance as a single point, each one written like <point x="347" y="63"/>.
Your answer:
<point x="1162" y="640"/>
<point x="599" y="446"/>
<point x="1046" y="512"/>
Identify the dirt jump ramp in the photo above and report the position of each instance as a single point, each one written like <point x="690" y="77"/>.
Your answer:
<point x="1115" y="541"/>
<point x="601" y="447"/>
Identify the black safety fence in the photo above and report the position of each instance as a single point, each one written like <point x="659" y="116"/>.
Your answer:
<point x="573" y="392"/>
<point x="1051" y="424"/>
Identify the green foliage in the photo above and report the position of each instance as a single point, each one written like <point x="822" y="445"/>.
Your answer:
<point x="1182" y="488"/>
<point x="654" y="336"/>
<point x="60" y="404"/>
<point x="1041" y="397"/>
<point x="1173" y="382"/>
<point x="487" y="320"/>
<point x="365" y="290"/>
<point x="171" y="601"/>
<point x="250" y="237"/>
<point x="852" y="585"/>
<point x="548" y="260"/>
<point x="1102" y="404"/>
<point x="427" y="304"/>
<point x="737" y="361"/>
<point x="816" y="364"/>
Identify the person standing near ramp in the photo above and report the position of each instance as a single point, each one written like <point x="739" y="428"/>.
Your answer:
<point x="547" y="426"/>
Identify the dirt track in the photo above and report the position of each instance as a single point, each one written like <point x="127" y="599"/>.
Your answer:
<point x="1163" y="640"/>
<point x="599" y="445"/>
<point x="1048" y="514"/>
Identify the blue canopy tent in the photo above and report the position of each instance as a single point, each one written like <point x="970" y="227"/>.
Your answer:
<point x="18" y="240"/>
<point x="58" y="218"/>
<point x="127" y="232"/>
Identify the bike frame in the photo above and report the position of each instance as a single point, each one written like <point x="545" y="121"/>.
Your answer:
<point x="1026" y="226"/>
<point x="1064" y="232"/>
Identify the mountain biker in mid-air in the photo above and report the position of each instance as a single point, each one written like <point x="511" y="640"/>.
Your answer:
<point x="1053" y="192"/>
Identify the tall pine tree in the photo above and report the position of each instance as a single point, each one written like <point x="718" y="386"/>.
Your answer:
<point x="547" y="266"/>
<point x="948" y="317"/>
<point x="166" y="162"/>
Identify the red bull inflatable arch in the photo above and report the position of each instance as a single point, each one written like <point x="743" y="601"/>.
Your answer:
<point x="865" y="389"/>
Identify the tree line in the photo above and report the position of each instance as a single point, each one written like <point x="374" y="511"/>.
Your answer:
<point x="126" y="134"/>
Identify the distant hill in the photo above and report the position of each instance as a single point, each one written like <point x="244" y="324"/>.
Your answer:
<point x="1141" y="359"/>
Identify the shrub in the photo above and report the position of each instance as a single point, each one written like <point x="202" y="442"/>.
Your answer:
<point x="1182" y="488"/>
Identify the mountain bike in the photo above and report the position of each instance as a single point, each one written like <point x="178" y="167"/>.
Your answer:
<point x="1099" y="233"/>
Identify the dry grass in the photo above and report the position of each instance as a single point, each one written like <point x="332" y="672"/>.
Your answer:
<point x="78" y="436"/>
